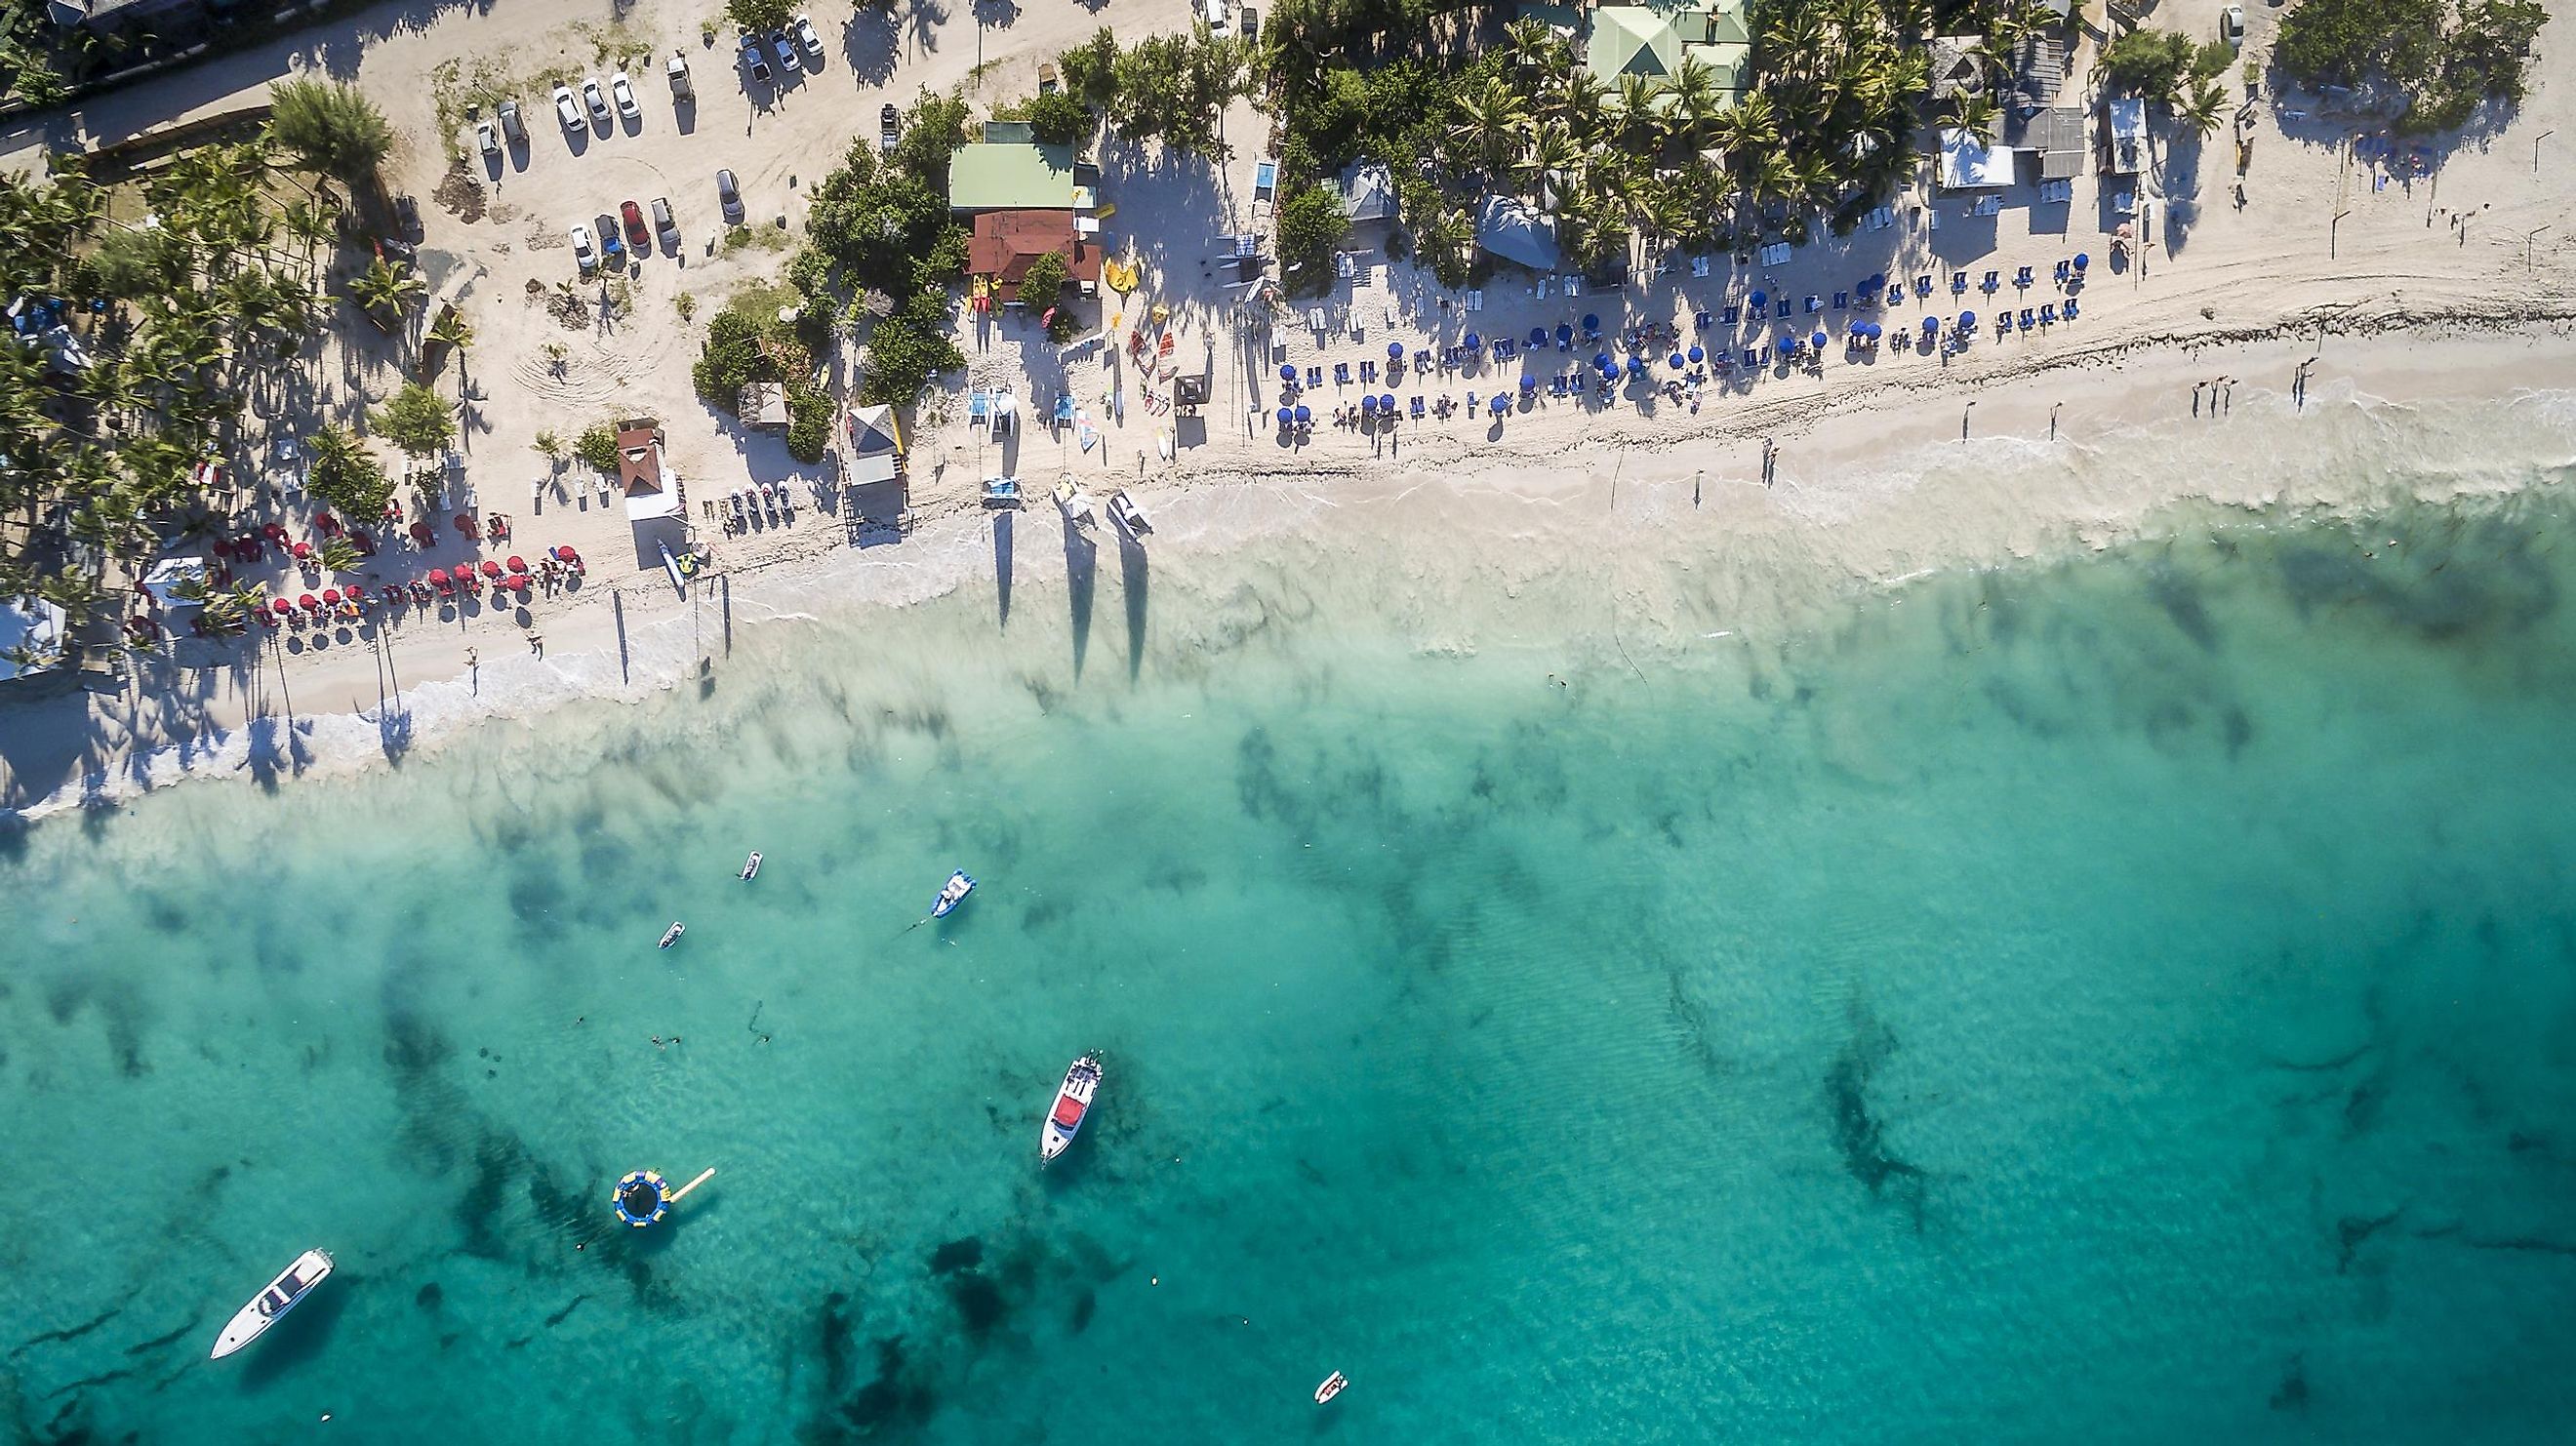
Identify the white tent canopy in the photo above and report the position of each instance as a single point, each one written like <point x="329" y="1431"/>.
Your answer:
<point x="1970" y="164"/>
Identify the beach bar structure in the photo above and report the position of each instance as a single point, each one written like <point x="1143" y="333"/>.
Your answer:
<point x="1011" y="170"/>
<point x="655" y="511"/>
<point x="876" y="447"/>
<point x="1003" y="243"/>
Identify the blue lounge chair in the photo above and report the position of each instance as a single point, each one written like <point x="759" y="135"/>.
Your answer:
<point x="1556" y="386"/>
<point x="1814" y="303"/>
<point x="1958" y="283"/>
<point x="1994" y="282"/>
<point x="2025" y="318"/>
<point x="2061" y="273"/>
<point x="1783" y="312"/>
<point x="1417" y="407"/>
<point x="2048" y="314"/>
<point x="1341" y="374"/>
<point x="2022" y="277"/>
<point x="1368" y="371"/>
<point x="1842" y="300"/>
<point x="1422" y="360"/>
<point x="1923" y="286"/>
<point x="1732" y="316"/>
<point x="979" y="408"/>
<point x="2070" y="308"/>
<point x="1314" y="378"/>
<point x="1895" y="294"/>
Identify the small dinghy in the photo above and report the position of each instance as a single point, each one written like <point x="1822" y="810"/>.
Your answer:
<point x="1072" y="1102"/>
<point x="953" y="893"/>
<point x="751" y="866"/>
<point x="671" y="935"/>
<point x="1129" y="517"/>
<point x="291" y="1286"/>
<point x="1332" y="1387"/>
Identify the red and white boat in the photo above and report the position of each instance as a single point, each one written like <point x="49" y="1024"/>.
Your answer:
<point x="1332" y="1387"/>
<point x="1072" y="1102"/>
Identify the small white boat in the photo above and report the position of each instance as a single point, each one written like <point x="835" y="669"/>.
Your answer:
<point x="751" y="866"/>
<point x="1129" y="517"/>
<point x="671" y="935"/>
<point x="952" y="893"/>
<point x="292" y="1285"/>
<point x="1332" y="1387"/>
<point x="1074" y="503"/>
<point x="1072" y="1103"/>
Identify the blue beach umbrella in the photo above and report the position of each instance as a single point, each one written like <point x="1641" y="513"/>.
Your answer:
<point x="1676" y="361"/>
<point x="2082" y="260"/>
<point x="1931" y="326"/>
<point x="1788" y="347"/>
<point x="1304" y="415"/>
<point x="1287" y="373"/>
<point x="1636" y="366"/>
<point x="1817" y="341"/>
<point x="1564" y="336"/>
<point x="1395" y="351"/>
<point x="1368" y="404"/>
<point x="1697" y="355"/>
<point x="1591" y="324"/>
<point x="1967" y="319"/>
<point x="1287" y="415"/>
<point x="1538" y="336"/>
<point x="1759" y="299"/>
<point x="1474" y="342"/>
<point x="1386" y="401"/>
<point x="1502" y="405"/>
<point x="1528" y="383"/>
<point x="1601" y="359"/>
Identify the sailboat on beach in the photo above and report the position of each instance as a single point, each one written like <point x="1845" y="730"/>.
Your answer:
<point x="1072" y="1103"/>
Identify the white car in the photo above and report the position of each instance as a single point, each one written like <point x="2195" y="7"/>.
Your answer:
<point x="1220" y="16"/>
<point x="488" y="136"/>
<point x="787" y="61"/>
<point x="567" y="109"/>
<point x="583" y="252"/>
<point x="592" y="96"/>
<point x="802" y="27"/>
<point x="2231" y="25"/>
<point x="625" y="95"/>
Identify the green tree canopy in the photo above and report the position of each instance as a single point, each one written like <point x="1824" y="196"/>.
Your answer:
<point x="597" y="447"/>
<point x="331" y="127"/>
<point x="1311" y="223"/>
<point x="907" y="349"/>
<point x="1044" y="281"/>
<point x="416" y="419"/>
<point x="1057" y="119"/>
<point x="345" y="475"/>
<point x="2438" y="64"/>
<point x="760" y="16"/>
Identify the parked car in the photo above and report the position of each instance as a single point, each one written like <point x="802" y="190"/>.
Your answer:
<point x="636" y="235"/>
<point x="584" y="254"/>
<point x="1220" y="16"/>
<point x="407" y="218"/>
<point x="787" y="62"/>
<point x="678" y="71"/>
<point x="889" y="127"/>
<point x="487" y="136"/>
<point x="1249" y="22"/>
<point x="663" y="226"/>
<point x="755" y="59"/>
<point x="610" y="247"/>
<point x="2231" y="25"/>
<point x="729" y="196"/>
<point x="624" y="94"/>
<point x="595" y="98"/>
<point x="802" y="27"/>
<point x="567" y="109"/>
<point x="513" y="129"/>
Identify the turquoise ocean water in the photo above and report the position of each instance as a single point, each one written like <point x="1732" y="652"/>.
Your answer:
<point x="2128" y="999"/>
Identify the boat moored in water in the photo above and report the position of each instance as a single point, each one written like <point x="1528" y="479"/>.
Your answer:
<point x="671" y="935"/>
<point x="1332" y="1387"/>
<point x="292" y="1285"/>
<point x="751" y="866"/>
<point x="953" y="893"/>
<point x="1072" y="1104"/>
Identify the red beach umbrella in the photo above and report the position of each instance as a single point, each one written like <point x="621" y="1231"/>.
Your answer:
<point x="421" y="534"/>
<point x="303" y="549"/>
<point x="281" y="607"/>
<point x="273" y="532"/>
<point x="465" y="525"/>
<point x="309" y="603"/>
<point x="331" y="595"/>
<point x="329" y="524"/>
<point x="438" y="577"/>
<point x="491" y="568"/>
<point x="517" y="566"/>
<point x="519" y="580"/>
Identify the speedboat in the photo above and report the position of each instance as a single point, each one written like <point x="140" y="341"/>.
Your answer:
<point x="671" y="935"/>
<point x="1129" y="517"/>
<point x="1072" y="1102"/>
<point x="292" y="1285"/>
<point x="751" y="866"/>
<point x="1074" y="503"/>
<point x="1332" y="1387"/>
<point x="953" y="893"/>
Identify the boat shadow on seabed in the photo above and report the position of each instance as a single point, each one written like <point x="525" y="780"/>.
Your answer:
<point x="299" y="1335"/>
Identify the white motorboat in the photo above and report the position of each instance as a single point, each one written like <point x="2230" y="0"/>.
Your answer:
<point x="751" y="866"/>
<point x="1072" y="1103"/>
<point x="292" y="1285"/>
<point x="952" y="893"/>
<point x="1332" y="1387"/>
<point x="1074" y="503"/>
<point x="1129" y="517"/>
<point x="671" y="935"/>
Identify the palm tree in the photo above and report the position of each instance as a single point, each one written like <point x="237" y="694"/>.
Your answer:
<point x="2206" y="109"/>
<point x="385" y="291"/>
<point x="451" y="329"/>
<point x="308" y="222"/>
<point x="1978" y="114"/>
<point x="1487" y="118"/>
<point x="1527" y="44"/>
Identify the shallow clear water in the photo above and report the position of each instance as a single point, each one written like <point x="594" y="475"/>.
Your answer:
<point x="2129" y="1000"/>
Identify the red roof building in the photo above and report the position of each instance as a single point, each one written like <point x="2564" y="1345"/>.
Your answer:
<point x="1005" y="242"/>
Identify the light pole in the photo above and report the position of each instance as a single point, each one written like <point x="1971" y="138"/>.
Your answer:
<point x="2527" y="238"/>
<point x="2535" y="149"/>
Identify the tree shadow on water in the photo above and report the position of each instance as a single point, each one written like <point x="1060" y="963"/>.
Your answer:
<point x="1133" y="578"/>
<point x="1081" y="571"/>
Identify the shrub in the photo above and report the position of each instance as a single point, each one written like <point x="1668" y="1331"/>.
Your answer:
<point x="730" y="361"/>
<point x="416" y="419"/>
<point x="1058" y="119"/>
<point x="331" y="127"/>
<point x="597" y="447"/>
<point x="345" y="476"/>
<point x="1311" y="223"/>
<point x="1045" y="279"/>
<point x="2151" y="63"/>
<point x="907" y="349"/>
<point x="809" y="421"/>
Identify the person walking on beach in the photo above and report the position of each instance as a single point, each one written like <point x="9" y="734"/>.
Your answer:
<point x="469" y="659"/>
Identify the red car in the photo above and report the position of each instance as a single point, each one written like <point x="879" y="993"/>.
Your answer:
<point x="637" y="235"/>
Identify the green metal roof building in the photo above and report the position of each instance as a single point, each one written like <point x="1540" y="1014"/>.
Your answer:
<point x="1618" y="39"/>
<point x="991" y="175"/>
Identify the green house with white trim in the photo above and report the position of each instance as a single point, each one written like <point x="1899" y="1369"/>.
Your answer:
<point x="1652" y="40"/>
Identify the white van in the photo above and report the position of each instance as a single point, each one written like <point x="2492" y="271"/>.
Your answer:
<point x="678" y="70"/>
<point x="1220" y="16"/>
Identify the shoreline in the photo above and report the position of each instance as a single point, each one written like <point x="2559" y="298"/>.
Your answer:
<point x="1850" y="509"/>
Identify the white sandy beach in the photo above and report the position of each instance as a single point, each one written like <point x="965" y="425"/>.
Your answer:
<point x="2403" y="295"/>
